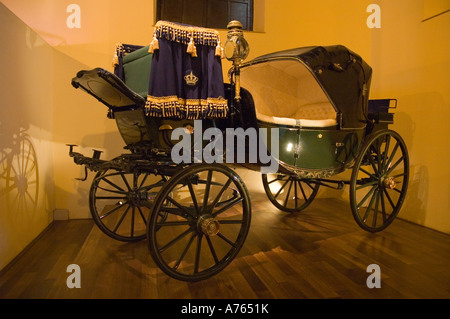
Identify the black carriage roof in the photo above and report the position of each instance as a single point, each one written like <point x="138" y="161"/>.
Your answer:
<point x="343" y="75"/>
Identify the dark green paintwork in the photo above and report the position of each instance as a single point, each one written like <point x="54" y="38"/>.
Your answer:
<point x="319" y="148"/>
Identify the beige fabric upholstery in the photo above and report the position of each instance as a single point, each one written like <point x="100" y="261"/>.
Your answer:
<point x="286" y="93"/>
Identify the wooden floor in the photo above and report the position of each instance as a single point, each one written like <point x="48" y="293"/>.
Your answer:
<point x="317" y="254"/>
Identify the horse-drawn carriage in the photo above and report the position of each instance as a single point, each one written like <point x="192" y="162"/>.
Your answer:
<point x="308" y="107"/>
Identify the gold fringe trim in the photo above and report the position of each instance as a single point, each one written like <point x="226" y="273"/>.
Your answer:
<point x="189" y="35"/>
<point x="175" y="107"/>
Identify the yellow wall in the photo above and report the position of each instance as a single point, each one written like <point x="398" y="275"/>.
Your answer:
<point x="409" y="58"/>
<point x="26" y="136"/>
<point x="411" y="62"/>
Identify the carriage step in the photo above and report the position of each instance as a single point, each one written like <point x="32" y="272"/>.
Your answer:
<point x="92" y="163"/>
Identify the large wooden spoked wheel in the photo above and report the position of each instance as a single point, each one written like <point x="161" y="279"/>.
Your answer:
<point x="119" y="202"/>
<point x="289" y="193"/>
<point x="379" y="180"/>
<point x="206" y="210"/>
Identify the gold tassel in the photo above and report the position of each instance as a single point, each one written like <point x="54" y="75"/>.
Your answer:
<point x="219" y="50"/>
<point x="154" y="45"/>
<point x="191" y="48"/>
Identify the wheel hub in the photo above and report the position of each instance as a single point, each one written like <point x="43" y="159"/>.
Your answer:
<point x="135" y="197"/>
<point x="389" y="182"/>
<point x="208" y="225"/>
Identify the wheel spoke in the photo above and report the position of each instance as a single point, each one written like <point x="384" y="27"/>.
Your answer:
<point x="383" y="207"/>
<point x="389" y="198"/>
<point x="142" y="215"/>
<point x="143" y="180"/>
<point x="186" y="249"/>
<point x="274" y="180"/>
<point x="295" y="194"/>
<point x="227" y="206"/>
<point x="400" y="175"/>
<point x="220" y="235"/>
<point x="113" y="185"/>
<point x="113" y="210"/>
<point x="121" y="219"/>
<point x="113" y="191"/>
<point x="369" y="208"/>
<point x="386" y="151"/>
<point x="366" y="172"/>
<point x="175" y="240"/>
<point x="302" y="190"/>
<point x="372" y="162"/>
<point x="288" y="192"/>
<point x="207" y="188"/>
<point x="394" y="151"/>
<point x="309" y="184"/>
<point x="211" y="248"/>
<point x="395" y="165"/>
<point x="194" y="199"/>
<point x="378" y="150"/>
<point x="375" y="212"/>
<point x="184" y="209"/>
<point x="366" y="197"/>
<point x="125" y="181"/>
<point x="219" y="195"/>
<point x="197" y="254"/>
<point x="282" y="187"/>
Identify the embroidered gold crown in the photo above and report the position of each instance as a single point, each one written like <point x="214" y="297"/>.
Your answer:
<point x="191" y="79"/>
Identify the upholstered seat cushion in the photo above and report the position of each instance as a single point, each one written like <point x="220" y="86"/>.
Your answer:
<point x="286" y="93"/>
<point x="137" y="66"/>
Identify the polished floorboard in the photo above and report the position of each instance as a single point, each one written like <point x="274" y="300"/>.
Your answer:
<point x="319" y="253"/>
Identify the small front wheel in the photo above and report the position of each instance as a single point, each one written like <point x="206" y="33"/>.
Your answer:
<point x="379" y="181"/>
<point x="119" y="202"/>
<point x="207" y="214"/>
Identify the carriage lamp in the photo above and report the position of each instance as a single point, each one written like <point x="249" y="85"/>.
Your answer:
<point x="236" y="47"/>
<point x="236" y="51"/>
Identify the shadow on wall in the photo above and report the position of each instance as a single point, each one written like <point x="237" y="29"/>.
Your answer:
<point x="19" y="173"/>
<point x="21" y="94"/>
<point x="414" y="207"/>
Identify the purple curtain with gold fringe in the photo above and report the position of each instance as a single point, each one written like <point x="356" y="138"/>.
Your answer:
<point x="186" y="80"/>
